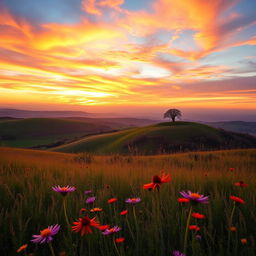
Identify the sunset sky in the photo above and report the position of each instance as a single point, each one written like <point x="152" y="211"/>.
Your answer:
<point x="131" y="56"/>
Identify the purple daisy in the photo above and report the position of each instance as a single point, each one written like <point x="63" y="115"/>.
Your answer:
<point x="46" y="234"/>
<point x="133" y="200"/>
<point x="90" y="200"/>
<point x="178" y="253"/>
<point x="64" y="190"/>
<point x="198" y="237"/>
<point x="195" y="197"/>
<point x="87" y="192"/>
<point x="110" y="231"/>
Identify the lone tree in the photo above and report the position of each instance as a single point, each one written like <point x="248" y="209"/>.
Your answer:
<point x="172" y="114"/>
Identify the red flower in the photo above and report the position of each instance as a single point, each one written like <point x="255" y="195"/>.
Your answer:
<point x="237" y="199"/>
<point x="194" y="227"/>
<point x="112" y="200"/>
<point x="96" y="209"/>
<point x="124" y="212"/>
<point x="22" y="248"/>
<point x="243" y="240"/>
<point x="183" y="200"/>
<point x="82" y="210"/>
<point x="197" y="215"/>
<point x="84" y="225"/>
<point x="231" y="169"/>
<point x="157" y="181"/>
<point x="103" y="227"/>
<point x="119" y="240"/>
<point x="240" y="184"/>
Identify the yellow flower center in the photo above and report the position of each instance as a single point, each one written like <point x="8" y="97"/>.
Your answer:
<point x="64" y="189"/>
<point x="45" y="232"/>
<point x="195" y="195"/>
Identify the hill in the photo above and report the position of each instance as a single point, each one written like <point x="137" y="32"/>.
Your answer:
<point x="45" y="132"/>
<point x="236" y="126"/>
<point x="161" y="138"/>
<point x="20" y="113"/>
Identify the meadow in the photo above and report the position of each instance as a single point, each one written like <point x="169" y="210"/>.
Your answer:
<point x="157" y="225"/>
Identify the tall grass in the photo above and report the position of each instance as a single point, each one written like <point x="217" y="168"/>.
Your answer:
<point x="155" y="226"/>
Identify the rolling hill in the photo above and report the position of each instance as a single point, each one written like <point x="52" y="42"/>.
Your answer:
<point x="49" y="132"/>
<point x="161" y="138"/>
<point x="45" y="132"/>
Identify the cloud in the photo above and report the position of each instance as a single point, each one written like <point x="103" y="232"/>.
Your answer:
<point x="96" y="7"/>
<point x="133" y="57"/>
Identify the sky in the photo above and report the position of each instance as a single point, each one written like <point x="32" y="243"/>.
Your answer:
<point x="135" y="57"/>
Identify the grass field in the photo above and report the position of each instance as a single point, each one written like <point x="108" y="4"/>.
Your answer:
<point x="155" y="226"/>
<point x="160" y="138"/>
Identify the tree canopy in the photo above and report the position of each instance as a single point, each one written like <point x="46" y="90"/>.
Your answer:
<point x="172" y="114"/>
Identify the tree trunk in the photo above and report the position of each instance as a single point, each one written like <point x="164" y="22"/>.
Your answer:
<point x="173" y="118"/>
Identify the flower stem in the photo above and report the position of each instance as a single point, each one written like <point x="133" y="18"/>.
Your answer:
<point x="230" y="224"/>
<point x="114" y="242"/>
<point x="65" y="211"/>
<point x="130" y="230"/>
<point x="51" y="249"/>
<point x="232" y="214"/>
<point x="186" y="231"/>
<point x="136" y="229"/>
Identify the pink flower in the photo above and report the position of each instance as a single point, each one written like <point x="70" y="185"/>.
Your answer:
<point x="46" y="234"/>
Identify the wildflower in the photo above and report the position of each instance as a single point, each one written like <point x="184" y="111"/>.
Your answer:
<point x="103" y="227"/>
<point x="198" y="237"/>
<point x="46" y="234"/>
<point x="96" y="210"/>
<point x="119" y="240"/>
<point x="237" y="199"/>
<point x="84" y="225"/>
<point x="232" y="229"/>
<point x="111" y="230"/>
<point x="64" y="190"/>
<point x="197" y="215"/>
<point x="90" y="200"/>
<point x="82" y="210"/>
<point x="87" y="192"/>
<point x="243" y="240"/>
<point x="195" y="197"/>
<point x="133" y="200"/>
<point x="112" y="200"/>
<point x="240" y="184"/>
<point x="231" y="169"/>
<point x="157" y="181"/>
<point x="22" y="248"/>
<point x="124" y="212"/>
<point x="177" y="253"/>
<point x="183" y="200"/>
<point x="194" y="227"/>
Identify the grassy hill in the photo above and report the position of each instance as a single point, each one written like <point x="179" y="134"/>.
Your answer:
<point x="36" y="132"/>
<point x="161" y="138"/>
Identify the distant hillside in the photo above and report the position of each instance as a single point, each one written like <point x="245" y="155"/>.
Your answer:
<point x="161" y="138"/>
<point x="45" y="132"/>
<point x="117" y="123"/>
<point x="236" y="126"/>
<point x="18" y="113"/>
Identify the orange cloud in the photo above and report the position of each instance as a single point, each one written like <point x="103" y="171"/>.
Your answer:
<point x="90" y="63"/>
<point x="94" y="7"/>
